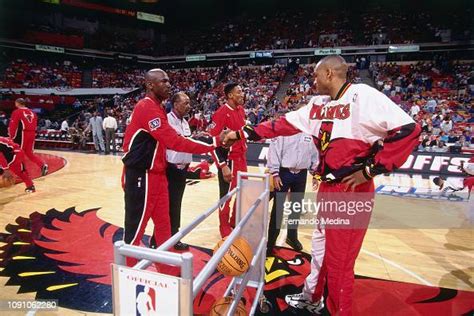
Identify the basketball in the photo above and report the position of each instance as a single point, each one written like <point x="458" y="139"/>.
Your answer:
<point x="7" y="180"/>
<point x="237" y="259"/>
<point x="221" y="307"/>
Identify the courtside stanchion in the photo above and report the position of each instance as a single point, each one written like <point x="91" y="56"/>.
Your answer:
<point x="136" y="288"/>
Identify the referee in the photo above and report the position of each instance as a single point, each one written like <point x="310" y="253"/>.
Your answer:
<point x="178" y="162"/>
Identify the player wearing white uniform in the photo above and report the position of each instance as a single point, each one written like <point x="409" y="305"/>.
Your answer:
<point x="347" y="125"/>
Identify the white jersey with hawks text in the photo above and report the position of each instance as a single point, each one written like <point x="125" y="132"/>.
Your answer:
<point x="359" y="128"/>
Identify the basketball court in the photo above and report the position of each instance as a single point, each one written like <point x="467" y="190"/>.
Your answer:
<point x="404" y="255"/>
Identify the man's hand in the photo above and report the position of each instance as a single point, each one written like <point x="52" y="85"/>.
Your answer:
<point x="229" y="139"/>
<point x="227" y="174"/>
<point x="354" y="180"/>
<point x="277" y="184"/>
<point x="315" y="183"/>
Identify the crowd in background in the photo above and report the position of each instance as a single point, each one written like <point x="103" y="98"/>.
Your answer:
<point x="437" y="94"/>
<point x="287" y="29"/>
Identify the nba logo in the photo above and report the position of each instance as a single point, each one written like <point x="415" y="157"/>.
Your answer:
<point x="145" y="300"/>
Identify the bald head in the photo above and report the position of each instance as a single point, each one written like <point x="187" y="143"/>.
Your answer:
<point x="154" y="73"/>
<point x="330" y="74"/>
<point x="157" y="83"/>
<point x="336" y="64"/>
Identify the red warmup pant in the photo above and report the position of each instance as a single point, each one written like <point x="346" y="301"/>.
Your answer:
<point x="28" y="145"/>
<point x="227" y="222"/>
<point x="342" y="248"/>
<point x="146" y="196"/>
<point x="18" y="168"/>
<point x="469" y="183"/>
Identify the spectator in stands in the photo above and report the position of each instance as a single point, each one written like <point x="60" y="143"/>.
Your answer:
<point x="415" y="109"/>
<point x="439" y="146"/>
<point x="110" y="126"/>
<point x="452" y="137"/>
<point x="443" y="137"/>
<point x="467" y="135"/>
<point x="95" y="126"/>
<point x="462" y="142"/>
<point x="425" y="142"/>
<point x="446" y="125"/>
<point x="64" y="127"/>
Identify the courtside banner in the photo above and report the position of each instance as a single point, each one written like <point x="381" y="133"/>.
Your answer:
<point x="417" y="163"/>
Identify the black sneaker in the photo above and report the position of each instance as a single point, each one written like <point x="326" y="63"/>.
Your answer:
<point x="295" y="244"/>
<point x="44" y="170"/>
<point x="30" y="189"/>
<point x="181" y="246"/>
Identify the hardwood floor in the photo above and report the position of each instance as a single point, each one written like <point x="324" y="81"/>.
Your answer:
<point x="439" y="256"/>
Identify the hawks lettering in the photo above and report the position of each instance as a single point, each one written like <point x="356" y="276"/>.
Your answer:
<point x="335" y="112"/>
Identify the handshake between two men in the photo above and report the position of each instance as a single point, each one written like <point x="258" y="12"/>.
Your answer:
<point x="228" y="138"/>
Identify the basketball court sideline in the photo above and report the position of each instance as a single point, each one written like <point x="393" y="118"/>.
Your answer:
<point x="430" y="255"/>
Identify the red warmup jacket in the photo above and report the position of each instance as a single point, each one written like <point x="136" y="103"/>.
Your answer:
<point x="149" y="135"/>
<point x="228" y="118"/>
<point x="22" y="120"/>
<point x="8" y="151"/>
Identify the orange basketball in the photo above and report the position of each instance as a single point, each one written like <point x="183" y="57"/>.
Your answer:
<point x="7" y="180"/>
<point x="237" y="259"/>
<point x="221" y="307"/>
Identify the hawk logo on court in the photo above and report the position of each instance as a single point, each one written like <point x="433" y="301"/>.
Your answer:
<point x="154" y="124"/>
<point x="67" y="255"/>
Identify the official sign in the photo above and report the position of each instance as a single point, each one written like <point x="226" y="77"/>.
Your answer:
<point x="150" y="17"/>
<point x="51" y="49"/>
<point x="141" y="292"/>
<point x="191" y="58"/>
<point x="403" y="48"/>
<point x="327" y="51"/>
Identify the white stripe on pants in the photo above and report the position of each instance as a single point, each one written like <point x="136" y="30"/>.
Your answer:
<point x="317" y="254"/>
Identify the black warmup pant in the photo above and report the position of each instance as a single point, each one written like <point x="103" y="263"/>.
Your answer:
<point x="176" y="185"/>
<point x="296" y="184"/>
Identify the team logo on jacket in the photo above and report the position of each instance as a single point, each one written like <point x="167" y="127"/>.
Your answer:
<point x="154" y="124"/>
<point x="29" y="117"/>
<point x="335" y="112"/>
<point x="325" y="135"/>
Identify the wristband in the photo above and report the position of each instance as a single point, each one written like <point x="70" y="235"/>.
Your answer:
<point x="366" y="173"/>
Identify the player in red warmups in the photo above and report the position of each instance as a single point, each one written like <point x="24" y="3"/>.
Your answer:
<point x="22" y="130"/>
<point x="146" y="140"/>
<point x="12" y="158"/>
<point x="229" y="161"/>
<point x="359" y="133"/>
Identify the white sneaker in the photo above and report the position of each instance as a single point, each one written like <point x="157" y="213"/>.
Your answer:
<point x="300" y="302"/>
